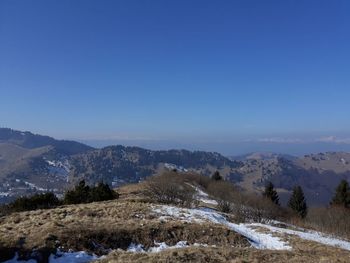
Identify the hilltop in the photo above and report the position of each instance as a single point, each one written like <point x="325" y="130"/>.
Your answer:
<point x="135" y="228"/>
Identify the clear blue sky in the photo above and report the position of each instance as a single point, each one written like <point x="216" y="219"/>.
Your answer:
<point x="183" y="71"/>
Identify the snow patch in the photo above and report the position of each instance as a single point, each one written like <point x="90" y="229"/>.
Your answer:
<point x="309" y="235"/>
<point x="171" y="166"/>
<point x="204" y="197"/>
<point x="257" y="240"/>
<point x="59" y="167"/>
<point x="160" y="246"/>
<point x="60" y="257"/>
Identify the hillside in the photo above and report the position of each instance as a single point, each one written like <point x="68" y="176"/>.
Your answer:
<point x="318" y="174"/>
<point x="119" y="164"/>
<point x="137" y="230"/>
<point x="30" y="163"/>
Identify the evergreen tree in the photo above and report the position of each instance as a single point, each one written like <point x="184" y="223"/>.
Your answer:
<point x="102" y="192"/>
<point x="80" y="194"/>
<point x="216" y="176"/>
<point x="297" y="202"/>
<point x="342" y="195"/>
<point x="83" y="193"/>
<point x="271" y="193"/>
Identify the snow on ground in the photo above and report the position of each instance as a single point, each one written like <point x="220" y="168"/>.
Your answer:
<point x="138" y="248"/>
<point x="61" y="257"/>
<point x="158" y="248"/>
<point x="33" y="186"/>
<point x="204" y="197"/>
<point x="258" y="240"/>
<point x="309" y="235"/>
<point x="171" y="166"/>
<point x="59" y="167"/>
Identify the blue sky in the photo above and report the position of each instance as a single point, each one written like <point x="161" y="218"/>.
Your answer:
<point x="188" y="73"/>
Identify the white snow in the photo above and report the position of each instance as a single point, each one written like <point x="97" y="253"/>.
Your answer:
<point x="309" y="235"/>
<point x="33" y="186"/>
<point x="162" y="246"/>
<point x="203" y="196"/>
<point x="59" y="167"/>
<point x="136" y="248"/>
<point x="159" y="246"/>
<point x="15" y="260"/>
<point x="72" y="257"/>
<point x="61" y="257"/>
<point x="171" y="166"/>
<point x="343" y="161"/>
<point x="258" y="240"/>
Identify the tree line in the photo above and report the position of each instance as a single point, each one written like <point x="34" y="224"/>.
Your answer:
<point x="297" y="201"/>
<point x="81" y="193"/>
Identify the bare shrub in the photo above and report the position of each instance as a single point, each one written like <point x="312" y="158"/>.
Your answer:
<point x="224" y="206"/>
<point x="260" y="209"/>
<point x="170" y="188"/>
<point x="199" y="179"/>
<point x="332" y="220"/>
<point x="245" y="206"/>
<point x="222" y="190"/>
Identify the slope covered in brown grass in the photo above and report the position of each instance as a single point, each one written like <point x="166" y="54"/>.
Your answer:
<point x="115" y="225"/>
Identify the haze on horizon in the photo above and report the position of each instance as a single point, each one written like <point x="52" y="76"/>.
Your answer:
<point x="229" y="76"/>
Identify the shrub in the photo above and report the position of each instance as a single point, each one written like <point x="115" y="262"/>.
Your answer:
<point x="83" y="193"/>
<point x="216" y="176"/>
<point x="224" y="206"/>
<point x="80" y="194"/>
<point x="223" y="190"/>
<point x="333" y="220"/>
<point x="170" y="188"/>
<point x="37" y="201"/>
<point x="102" y="192"/>
<point x="245" y="206"/>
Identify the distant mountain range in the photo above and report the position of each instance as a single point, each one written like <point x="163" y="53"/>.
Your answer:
<point x="34" y="163"/>
<point x="318" y="174"/>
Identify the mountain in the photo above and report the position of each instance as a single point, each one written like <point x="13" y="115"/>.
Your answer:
<point x="318" y="174"/>
<point x="31" y="163"/>
<point x="119" y="164"/>
<point x="261" y="156"/>
<point x="29" y="140"/>
<point x="34" y="163"/>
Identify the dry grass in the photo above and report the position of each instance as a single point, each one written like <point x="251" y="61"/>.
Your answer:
<point x="230" y="254"/>
<point x="132" y="192"/>
<point x="35" y="226"/>
<point x="115" y="224"/>
<point x="97" y="227"/>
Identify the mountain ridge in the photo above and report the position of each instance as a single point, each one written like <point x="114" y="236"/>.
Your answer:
<point x="31" y="163"/>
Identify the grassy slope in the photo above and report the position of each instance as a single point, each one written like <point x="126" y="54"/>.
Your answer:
<point x="115" y="224"/>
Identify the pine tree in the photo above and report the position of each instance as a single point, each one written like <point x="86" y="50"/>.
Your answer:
<point x="342" y="195"/>
<point x="271" y="193"/>
<point x="297" y="202"/>
<point x="216" y="176"/>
